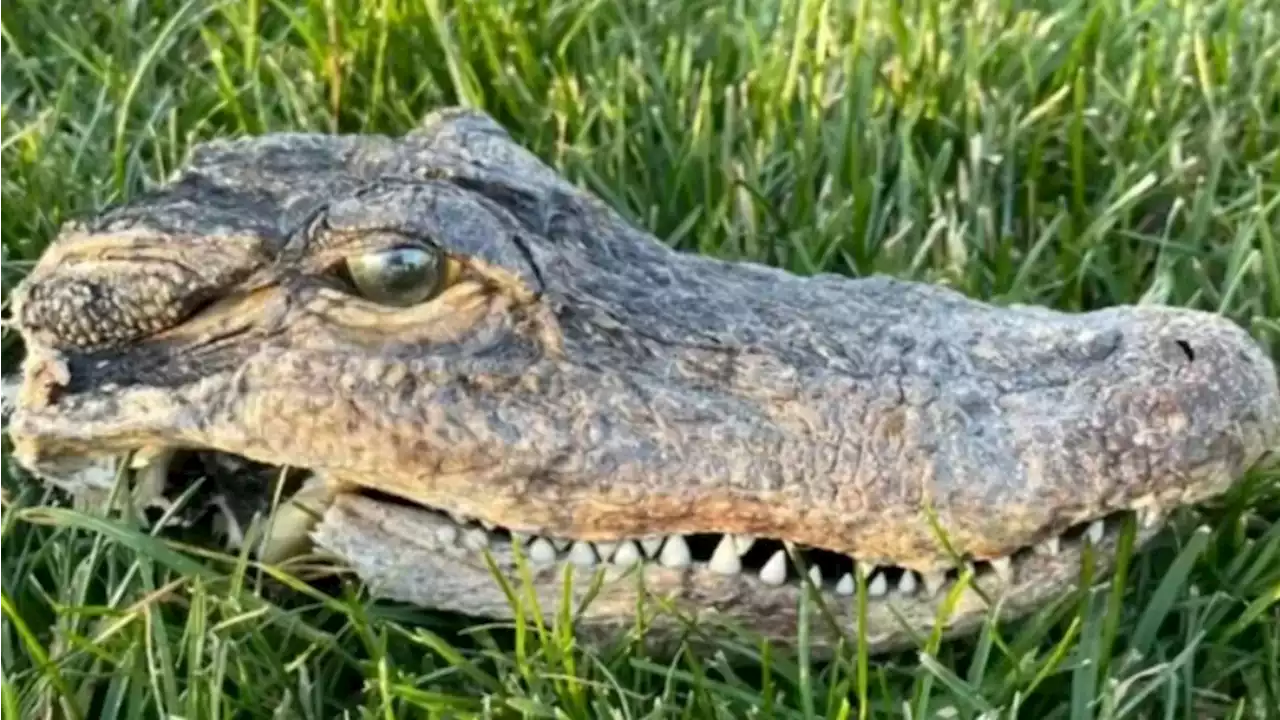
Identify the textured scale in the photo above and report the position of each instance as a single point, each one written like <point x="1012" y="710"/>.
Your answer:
<point x="583" y="378"/>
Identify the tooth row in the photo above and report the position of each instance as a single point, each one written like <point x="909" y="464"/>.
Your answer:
<point x="673" y="552"/>
<point x="151" y="466"/>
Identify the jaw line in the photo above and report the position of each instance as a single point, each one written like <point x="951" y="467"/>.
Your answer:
<point x="393" y="545"/>
<point x="396" y="551"/>
<point x="99" y="474"/>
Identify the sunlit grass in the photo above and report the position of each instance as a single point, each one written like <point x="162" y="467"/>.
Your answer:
<point x="1074" y="154"/>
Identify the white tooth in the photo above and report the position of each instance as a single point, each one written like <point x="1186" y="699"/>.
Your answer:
<point x="651" y="546"/>
<point x="878" y="586"/>
<point x="815" y="575"/>
<point x="605" y="549"/>
<point x="627" y="554"/>
<point x="774" y="572"/>
<point x="1096" y="530"/>
<point x="675" y="553"/>
<point x="457" y="518"/>
<point x="933" y="582"/>
<point x="582" y="554"/>
<point x="725" y="558"/>
<point x="1004" y="569"/>
<point x="1052" y="546"/>
<point x="743" y="543"/>
<point x="1145" y="504"/>
<point x="475" y="539"/>
<point x="907" y="583"/>
<point x="1149" y="516"/>
<point x="846" y="585"/>
<point x="144" y="456"/>
<point x="541" y="551"/>
<point x="150" y="479"/>
<point x="447" y="534"/>
<point x="560" y="544"/>
<point x="524" y="538"/>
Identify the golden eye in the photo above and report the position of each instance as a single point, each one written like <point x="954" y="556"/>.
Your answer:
<point x="399" y="276"/>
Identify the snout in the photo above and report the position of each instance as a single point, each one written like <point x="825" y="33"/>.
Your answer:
<point x="1181" y="406"/>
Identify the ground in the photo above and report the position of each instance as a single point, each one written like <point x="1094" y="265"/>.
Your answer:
<point x="1074" y="154"/>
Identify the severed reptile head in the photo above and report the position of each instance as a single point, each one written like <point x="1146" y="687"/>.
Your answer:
<point x="458" y="353"/>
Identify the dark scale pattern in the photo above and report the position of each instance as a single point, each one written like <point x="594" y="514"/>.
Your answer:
<point x="583" y="379"/>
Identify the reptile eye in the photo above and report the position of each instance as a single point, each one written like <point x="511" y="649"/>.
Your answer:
<point x="398" y="276"/>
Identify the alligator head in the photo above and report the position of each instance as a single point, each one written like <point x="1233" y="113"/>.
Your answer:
<point x="467" y="354"/>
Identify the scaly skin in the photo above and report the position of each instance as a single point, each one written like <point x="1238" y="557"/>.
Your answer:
<point x="578" y="379"/>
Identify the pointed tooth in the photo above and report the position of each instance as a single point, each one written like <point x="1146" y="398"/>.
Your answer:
<point x="523" y="537"/>
<point x="149" y="483"/>
<point x="1004" y="569"/>
<point x="774" y="572"/>
<point x="652" y="546"/>
<point x="560" y="544"/>
<point x="457" y="518"/>
<point x="878" y="586"/>
<point x="151" y="479"/>
<point x="675" y="552"/>
<point x="605" y="549"/>
<point x="933" y="582"/>
<point x="725" y="559"/>
<point x="1050" y="547"/>
<point x="1096" y="530"/>
<point x="582" y="554"/>
<point x="627" y="554"/>
<point x="815" y="576"/>
<point x="743" y="543"/>
<point x="487" y="525"/>
<point x="1147" y="509"/>
<point x="541" y="551"/>
<point x="475" y="539"/>
<point x="907" y="584"/>
<point x="846" y="585"/>
<point x="1149" y="516"/>
<point x="447" y="534"/>
<point x="147" y="455"/>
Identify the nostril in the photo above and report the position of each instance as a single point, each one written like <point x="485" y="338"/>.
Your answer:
<point x="1186" y="350"/>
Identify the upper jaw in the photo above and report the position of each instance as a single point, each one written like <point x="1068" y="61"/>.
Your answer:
<point x="1178" y="431"/>
<point x="53" y="434"/>
<point x="43" y="443"/>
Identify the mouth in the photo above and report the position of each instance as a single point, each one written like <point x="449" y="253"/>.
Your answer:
<point x="209" y="494"/>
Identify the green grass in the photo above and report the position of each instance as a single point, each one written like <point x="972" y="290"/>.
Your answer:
<point x="1073" y="154"/>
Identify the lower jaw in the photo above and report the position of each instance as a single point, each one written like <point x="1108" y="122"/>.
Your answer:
<point x="421" y="556"/>
<point x="396" y="550"/>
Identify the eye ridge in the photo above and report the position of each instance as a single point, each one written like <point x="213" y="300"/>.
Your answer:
<point x="400" y="276"/>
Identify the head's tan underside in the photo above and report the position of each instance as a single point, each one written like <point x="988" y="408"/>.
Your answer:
<point x="461" y="353"/>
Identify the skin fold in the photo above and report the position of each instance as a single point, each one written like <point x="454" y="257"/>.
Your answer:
<point x="568" y="376"/>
